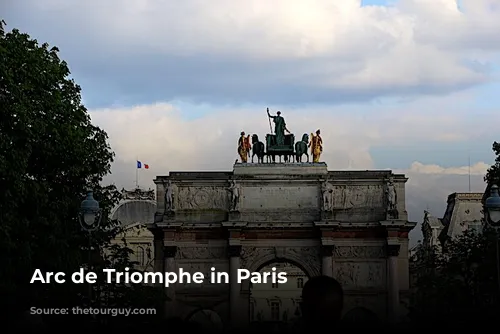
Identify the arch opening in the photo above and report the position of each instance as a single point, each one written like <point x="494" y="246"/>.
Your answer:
<point x="272" y="302"/>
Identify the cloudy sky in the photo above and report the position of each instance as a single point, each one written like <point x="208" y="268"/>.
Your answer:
<point x="407" y="85"/>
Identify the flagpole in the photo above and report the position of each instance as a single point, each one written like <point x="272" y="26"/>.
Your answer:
<point x="136" y="173"/>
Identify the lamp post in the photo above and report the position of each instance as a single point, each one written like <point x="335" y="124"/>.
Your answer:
<point x="90" y="219"/>
<point x="492" y="213"/>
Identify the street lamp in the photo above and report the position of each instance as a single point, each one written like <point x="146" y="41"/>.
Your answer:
<point x="492" y="206"/>
<point x="90" y="213"/>
<point x="90" y="219"/>
<point x="492" y="213"/>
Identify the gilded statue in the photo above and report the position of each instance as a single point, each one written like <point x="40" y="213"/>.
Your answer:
<point x="244" y="147"/>
<point x="316" y="145"/>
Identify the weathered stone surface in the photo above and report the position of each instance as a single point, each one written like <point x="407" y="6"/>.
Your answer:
<point x="359" y="252"/>
<point x="358" y="196"/>
<point x="355" y="275"/>
<point x="202" y="197"/>
<point x="280" y="197"/>
<point x="308" y="169"/>
<point x="200" y="253"/>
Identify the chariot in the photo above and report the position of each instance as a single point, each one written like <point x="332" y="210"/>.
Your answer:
<point x="274" y="150"/>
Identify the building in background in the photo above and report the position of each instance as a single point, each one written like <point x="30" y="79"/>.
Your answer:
<point x="463" y="211"/>
<point x="136" y="209"/>
<point x="278" y="302"/>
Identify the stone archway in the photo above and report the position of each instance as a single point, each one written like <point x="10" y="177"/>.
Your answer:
<point x="208" y="320"/>
<point x="272" y="303"/>
<point x="306" y="258"/>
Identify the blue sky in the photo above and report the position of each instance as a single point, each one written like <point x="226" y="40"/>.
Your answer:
<point x="389" y="87"/>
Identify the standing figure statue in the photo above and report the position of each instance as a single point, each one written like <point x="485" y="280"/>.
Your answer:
<point x="169" y="196"/>
<point x="316" y="145"/>
<point x="279" y="127"/>
<point x="234" y="190"/>
<point x="391" y="197"/>
<point x="327" y="191"/>
<point x="244" y="147"/>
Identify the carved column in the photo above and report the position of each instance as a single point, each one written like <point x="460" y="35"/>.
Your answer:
<point x="169" y="253"/>
<point x="235" y="287"/>
<point x="393" y="282"/>
<point x="327" y="260"/>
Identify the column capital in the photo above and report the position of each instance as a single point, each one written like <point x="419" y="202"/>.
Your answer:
<point x="234" y="251"/>
<point x="393" y="250"/>
<point x="170" y="251"/>
<point x="327" y="250"/>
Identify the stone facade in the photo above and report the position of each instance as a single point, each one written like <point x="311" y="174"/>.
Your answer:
<point x="351" y="225"/>
<point x="134" y="212"/>
<point x="463" y="211"/>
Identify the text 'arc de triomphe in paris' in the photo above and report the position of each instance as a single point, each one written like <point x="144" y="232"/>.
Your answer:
<point x="351" y="225"/>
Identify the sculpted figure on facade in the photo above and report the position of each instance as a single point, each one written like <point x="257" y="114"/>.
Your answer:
<point x="244" y="147"/>
<point x="169" y="196"/>
<point x="391" y="197"/>
<point x="327" y="192"/>
<point x="234" y="190"/>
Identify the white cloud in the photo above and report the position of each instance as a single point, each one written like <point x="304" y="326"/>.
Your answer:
<point x="339" y="43"/>
<point x="475" y="169"/>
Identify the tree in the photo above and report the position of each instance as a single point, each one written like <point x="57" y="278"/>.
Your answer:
<point x="459" y="284"/>
<point x="50" y="154"/>
<point x="493" y="173"/>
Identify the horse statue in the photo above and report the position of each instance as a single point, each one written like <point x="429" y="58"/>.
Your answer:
<point x="258" y="149"/>
<point x="301" y="148"/>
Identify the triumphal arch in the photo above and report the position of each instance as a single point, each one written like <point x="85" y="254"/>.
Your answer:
<point x="351" y="225"/>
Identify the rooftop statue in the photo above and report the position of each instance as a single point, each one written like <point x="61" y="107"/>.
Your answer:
<point x="279" y="127"/>
<point x="316" y="146"/>
<point x="244" y="147"/>
<point x="301" y="148"/>
<point x="258" y="149"/>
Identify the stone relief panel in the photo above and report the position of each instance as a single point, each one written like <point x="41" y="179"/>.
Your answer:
<point x="200" y="253"/>
<point x="362" y="252"/>
<point x="355" y="275"/>
<point x="280" y="197"/>
<point x="193" y="198"/>
<point x="350" y="196"/>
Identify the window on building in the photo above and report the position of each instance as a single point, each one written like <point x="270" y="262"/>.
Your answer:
<point x="275" y="285"/>
<point x="300" y="283"/>
<point x="275" y="311"/>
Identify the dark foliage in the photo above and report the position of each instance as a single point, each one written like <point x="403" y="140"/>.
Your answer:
<point x="50" y="154"/>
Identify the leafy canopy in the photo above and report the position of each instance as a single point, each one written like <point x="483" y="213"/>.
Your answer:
<point x="50" y="154"/>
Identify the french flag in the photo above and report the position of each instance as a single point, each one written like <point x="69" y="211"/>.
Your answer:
<point x="140" y="164"/>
